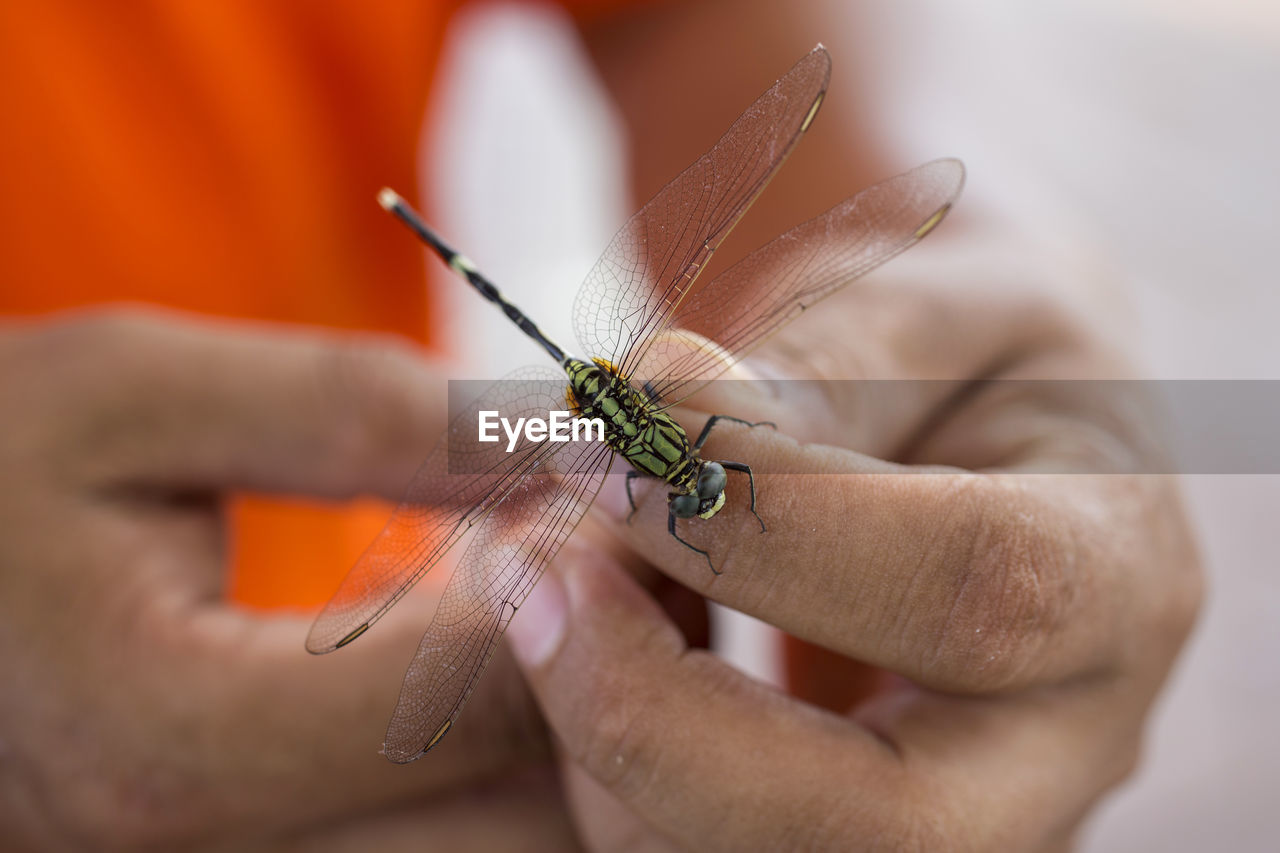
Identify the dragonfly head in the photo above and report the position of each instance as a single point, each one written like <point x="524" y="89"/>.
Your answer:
<point x="707" y="497"/>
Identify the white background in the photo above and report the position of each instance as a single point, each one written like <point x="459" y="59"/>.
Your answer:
<point x="1154" y="127"/>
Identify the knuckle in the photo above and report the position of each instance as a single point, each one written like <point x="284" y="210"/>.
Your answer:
<point x="1008" y="586"/>
<point x="616" y="749"/>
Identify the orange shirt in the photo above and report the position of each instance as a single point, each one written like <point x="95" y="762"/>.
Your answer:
<point x="223" y="157"/>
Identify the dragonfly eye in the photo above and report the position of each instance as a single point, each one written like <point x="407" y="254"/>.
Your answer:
<point x="684" y="506"/>
<point x="711" y="481"/>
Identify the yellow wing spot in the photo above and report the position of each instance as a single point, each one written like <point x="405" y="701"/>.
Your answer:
<point x="352" y="636"/>
<point x="813" y="111"/>
<point x="440" y="732"/>
<point x="932" y="221"/>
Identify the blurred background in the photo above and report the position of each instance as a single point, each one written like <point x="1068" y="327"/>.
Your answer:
<point x="1142" y="133"/>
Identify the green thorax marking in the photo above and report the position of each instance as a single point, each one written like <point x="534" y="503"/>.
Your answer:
<point x="650" y="440"/>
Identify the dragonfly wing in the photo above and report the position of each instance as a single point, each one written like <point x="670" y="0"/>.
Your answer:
<point x="774" y="284"/>
<point x="652" y="261"/>
<point x="496" y="574"/>
<point x="458" y="485"/>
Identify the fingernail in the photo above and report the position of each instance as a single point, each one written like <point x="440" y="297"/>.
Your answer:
<point x="539" y="625"/>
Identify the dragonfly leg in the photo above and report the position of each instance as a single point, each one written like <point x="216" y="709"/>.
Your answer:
<point x="671" y="528"/>
<point x="631" y="475"/>
<point x="714" y="419"/>
<point x="751" y="480"/>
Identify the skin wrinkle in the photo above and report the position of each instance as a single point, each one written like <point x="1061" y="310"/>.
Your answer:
<point x="1007" y="604"/>
<point x="933" y="659"/>
<point x="1079" y="590"/>
<point x="1035" y="582"/>
<point x="1067" y="585"/>
<point x="1019" y="608"/>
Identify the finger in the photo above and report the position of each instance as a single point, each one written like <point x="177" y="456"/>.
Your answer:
<point x="682" y="740"/>
<point x="714" y="761"/>
<point x="225" y="706"/>
<point x="223" y="691"/>
<point x="959" y="581"/>
<point x="163" y="399"/>
<point x="956" y="580"/>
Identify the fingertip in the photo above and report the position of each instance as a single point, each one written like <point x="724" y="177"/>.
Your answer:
<point x="581" y="583"/>
<point x="585" y="614"/>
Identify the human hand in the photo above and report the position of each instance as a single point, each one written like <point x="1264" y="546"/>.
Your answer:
<point x="138" y="707"/>
<point x="989" y="644"/>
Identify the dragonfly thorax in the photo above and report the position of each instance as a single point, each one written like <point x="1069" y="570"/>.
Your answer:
<point x="637" y="428"/>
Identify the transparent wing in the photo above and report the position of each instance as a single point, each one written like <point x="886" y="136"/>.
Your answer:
<point x="496" y="574"/>
<point x="651" y="262"/>
<point x="456" y="487"/>
<point x="774" y="284"/>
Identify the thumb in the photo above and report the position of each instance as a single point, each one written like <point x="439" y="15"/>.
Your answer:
<point x="643" y="716"/>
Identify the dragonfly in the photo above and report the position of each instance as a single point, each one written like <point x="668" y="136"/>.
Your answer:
<point x="655" y="336"/>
